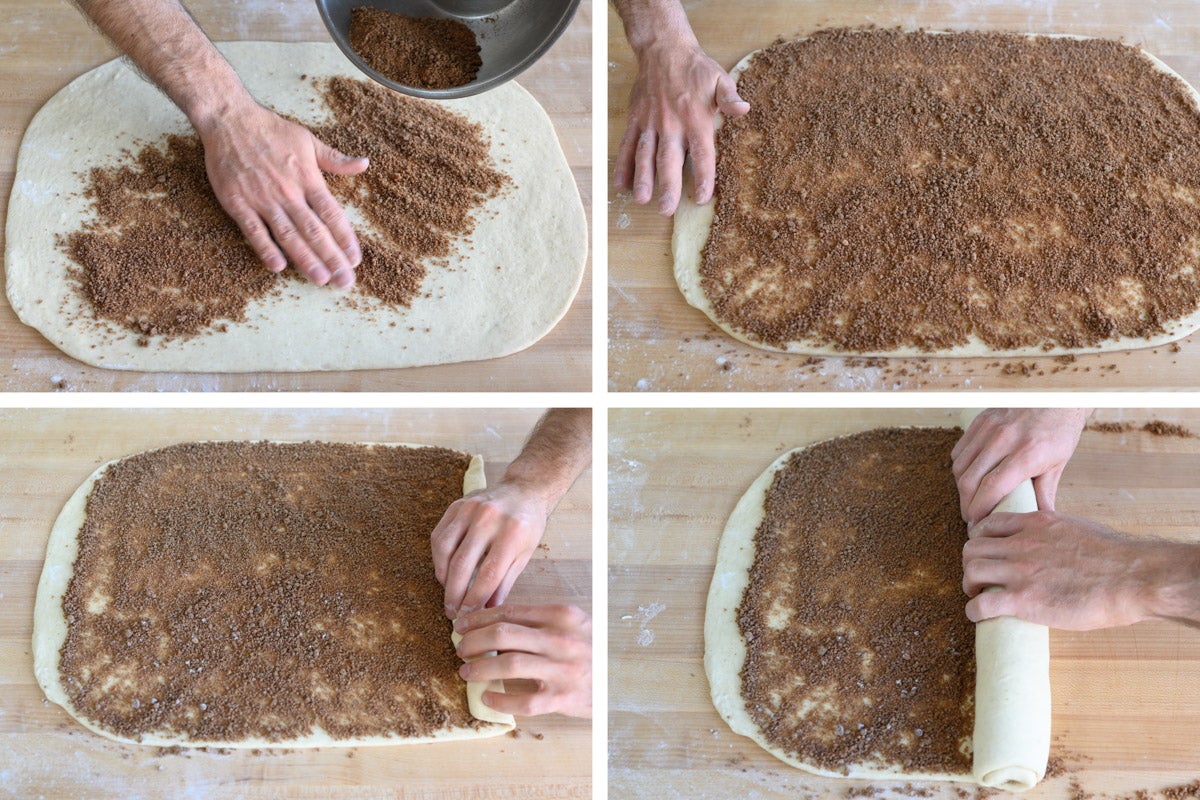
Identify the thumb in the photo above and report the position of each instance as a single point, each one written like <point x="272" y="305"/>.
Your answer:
<point x="330" y="160"/>
<point x="729" y="102"/>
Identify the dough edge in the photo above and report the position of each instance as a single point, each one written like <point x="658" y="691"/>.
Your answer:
<point x="50" y="632"/>
<point x="693" y="223"/>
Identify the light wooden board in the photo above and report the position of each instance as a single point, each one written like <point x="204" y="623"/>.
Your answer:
<point x="1122" y="697"/>
<point x="45" y="45"/>
<point x="657" y="342"/>
<point x="45" y="455"/>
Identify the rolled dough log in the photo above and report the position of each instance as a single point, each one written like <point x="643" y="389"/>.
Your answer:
<point x="50" y="632"/>
<point x="1012" y="684"/>
<point x="692" y="223"/>
<point x="506" y="287"/>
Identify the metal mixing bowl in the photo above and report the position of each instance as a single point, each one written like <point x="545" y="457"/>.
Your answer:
<point x="512" y="34"/>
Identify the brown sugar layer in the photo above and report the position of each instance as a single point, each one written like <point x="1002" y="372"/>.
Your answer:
<point x="422" y="52"/>
<point x="161" y="256"/>
<point x="858" y="649"/>
<point x="235" y="590"/>
<point x="893" y="190"/>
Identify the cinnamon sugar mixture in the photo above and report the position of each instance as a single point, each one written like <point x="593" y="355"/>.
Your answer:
<point x="858" y="649"/>
<point x="232" y="590"/>
<point x="908" y="190"/>
<point x="162" y="258"/>
<point x="423" y="52"/>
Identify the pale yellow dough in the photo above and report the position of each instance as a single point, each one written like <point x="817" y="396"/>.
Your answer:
<point x="50" y="632"/>
<point x="693" y="223"/>
<point x="535" y="233"/>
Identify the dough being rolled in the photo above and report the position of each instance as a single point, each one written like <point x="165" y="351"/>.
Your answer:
<point x="1012" y="685"/>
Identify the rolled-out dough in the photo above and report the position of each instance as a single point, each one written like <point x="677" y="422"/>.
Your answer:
<point x="693" y="223"/>
<point x="506" y="287"/>
<point x="1011" y="709"/>
<point x="50" y="632"/>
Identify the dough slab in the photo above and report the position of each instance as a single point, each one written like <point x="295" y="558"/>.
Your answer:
<point x="692" y="224"/>
<point x="536" y="231"/>
<point x="50" y="632"/>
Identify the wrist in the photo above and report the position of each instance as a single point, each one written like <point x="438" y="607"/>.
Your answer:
<point x="659" y="25"/>
<point x="532" y="487"/>
<point x="1170" y="581"/>
<point x="217" y="105"/>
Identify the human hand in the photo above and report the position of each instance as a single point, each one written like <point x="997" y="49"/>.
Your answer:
<point x="492" y="534"/>
<point x="1067" y="572"/>
<point x="1005" y="446"/>
<point x="266" y="173"/>
<point x="676" y="96"/>
<point x="550" y="645"/>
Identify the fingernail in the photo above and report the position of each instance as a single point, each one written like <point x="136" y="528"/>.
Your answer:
<point x="465" y="610"/>
<point x="460" y="624"/>
<point x="451" y="612"/>
<point x="464" y="671"/>
<point x="319" y="276"/>
<point x="619" y="179"/>
<point x="354" y="255"/>
<point x="664" y="203"/>
<point x="343" y="278"/>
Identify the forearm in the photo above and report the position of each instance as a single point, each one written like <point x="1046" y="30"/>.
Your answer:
<point x="1169" y="573"/>
<point x="558" y="450"/>
<point x="649" y="21"/>
<point x="169" y="47"/>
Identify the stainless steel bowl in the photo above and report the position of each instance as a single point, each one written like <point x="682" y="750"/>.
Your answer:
<point x="512" y="35"/>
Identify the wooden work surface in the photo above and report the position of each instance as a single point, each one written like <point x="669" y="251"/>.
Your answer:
<point x="46" y="45"/>
<point x="1126" y="700"/>
<point x="46" y="455"/>
<point x="657" y="342"/>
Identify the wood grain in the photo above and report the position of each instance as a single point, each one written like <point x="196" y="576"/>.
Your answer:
<point x="1123" y="698"/>
<point x="45" y="455"/>
<point x="45" y="45"/>
<point x="657" y="342"/>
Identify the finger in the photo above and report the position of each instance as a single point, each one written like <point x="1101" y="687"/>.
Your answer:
<point x="462" y="567"/>
<point x="623" y="170"/>
<point x="1045" y="488"/>
<point x="669" y="169"/>
<point x="984" y="573"/>
<point x="969" y="438"/>
<point x="298" y="252"/>
<point x="704" y="162"/>
<point x="492" y="570"/>
<point x="336" y="162"/>
<point x="508" y="666"/>
<point x="986" y="547"/>
<point x="529" y="616"/>
<point x="727" y="99"/>
<point x="643" y="166"/>
<point x="257" y="235"/>
<point x="444" y="539"/>
<point x="321" y="242"/>
<point x="501" y="594"/>
<point x="996" y="485"/>
<point x="523" y="705"/>
<point x="331" y="213"/>
<point x="969" y="480"/>
<point x="997" y="525"/>
<point x="508" y="637"/>
<point x="988" y="605"/>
